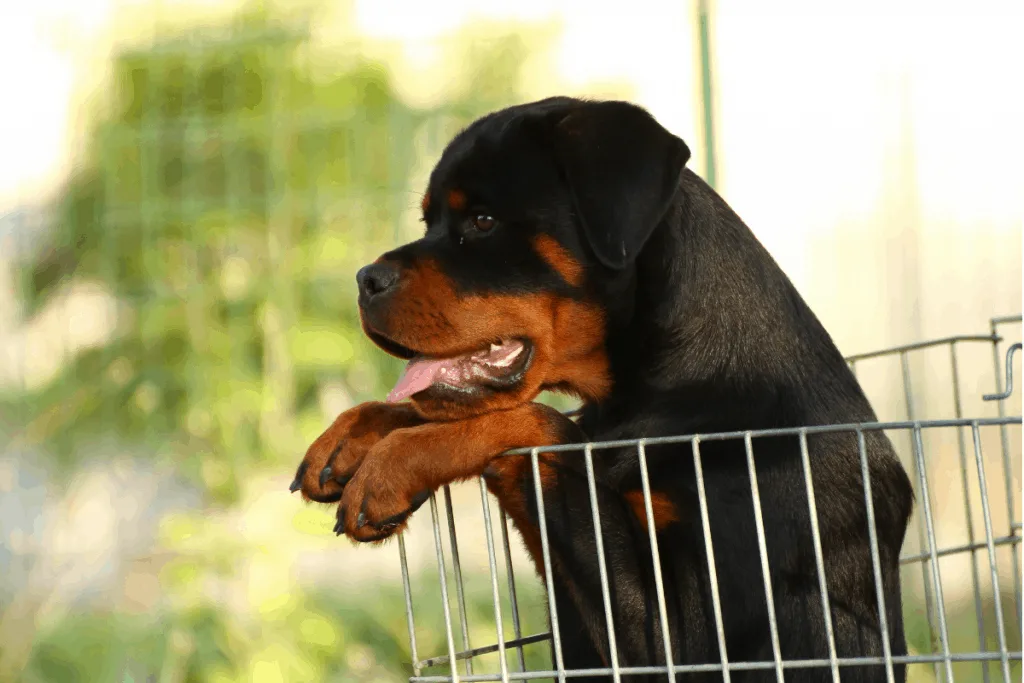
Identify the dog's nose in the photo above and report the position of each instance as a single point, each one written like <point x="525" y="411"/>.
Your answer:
<point x="374" y="279"/>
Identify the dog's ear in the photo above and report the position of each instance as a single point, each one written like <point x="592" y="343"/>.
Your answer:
<point x="623" y="169"/>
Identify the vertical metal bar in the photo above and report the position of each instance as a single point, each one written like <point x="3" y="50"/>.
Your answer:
<point x="707" y="91"/>
<point x="709" y="550"/>
<point x="812" y="508"/>
<point x="443" y="580"/>
<point x="1011" y="507"/>
<point x="987" y="516"/>
<point x="588" y="458"/>
<point x="659" y="586"/>
<point x="763" y="550"/>
<point x="936" y="578"/>
<point x="926" y="585"/>
<point x="495" y="593"/>
<point x="542" y="521"/>
<point x="457" y="573"/>
<point x="976" y="579"/>
<point x="517" y="628"/>
<point x="876" y="563"/>
<point x="407" y="588"/>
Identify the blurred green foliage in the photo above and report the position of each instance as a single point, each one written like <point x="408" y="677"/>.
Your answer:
<point x="322" y="637"/>
<point x="228" y="191"/>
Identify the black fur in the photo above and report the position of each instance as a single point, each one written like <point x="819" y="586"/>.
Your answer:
<point x="705" y="334"/>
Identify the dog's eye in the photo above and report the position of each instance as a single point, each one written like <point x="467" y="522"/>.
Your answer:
<point x="482" y="222"/>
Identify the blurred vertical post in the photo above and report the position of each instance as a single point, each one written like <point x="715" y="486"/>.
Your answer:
<point x="707" y="90"/>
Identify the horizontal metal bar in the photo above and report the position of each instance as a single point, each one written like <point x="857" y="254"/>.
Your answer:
<point x="1005" y="319"/>
<point x="486" y="649"/>
<point x="735" y="666"/>
<point x="782" y="431"/>
<point x="1017" y="526"/>
<point x="923" y="345"/>
<point x="1002" y="540"/>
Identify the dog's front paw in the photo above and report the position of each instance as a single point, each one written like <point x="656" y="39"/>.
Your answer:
<point x="383" y="492"/>
<point x="333" y="459"/>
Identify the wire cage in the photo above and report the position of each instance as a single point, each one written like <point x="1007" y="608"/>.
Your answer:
<point x="959" y="565"/>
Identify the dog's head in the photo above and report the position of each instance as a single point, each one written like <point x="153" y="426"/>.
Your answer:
<point x="528" y="209"/>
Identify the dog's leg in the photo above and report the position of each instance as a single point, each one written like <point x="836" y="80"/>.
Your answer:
<point x="401" y="470"/>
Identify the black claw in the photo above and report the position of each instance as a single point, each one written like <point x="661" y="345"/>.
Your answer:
<point x="297" y="484"/>
<point x="361" y="519"/>
<point x="325" y="473"/>
<point x="339" y="528"/>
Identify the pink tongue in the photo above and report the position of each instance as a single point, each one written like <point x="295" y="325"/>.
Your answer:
<point x="419" y="374"/>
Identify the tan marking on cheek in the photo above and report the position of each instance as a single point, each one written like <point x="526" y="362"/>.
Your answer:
<point x="580" y="363"/>
<point x="568" y="336"/>
<point x="559" y="258"/>
<point x="664" y="511"/>
<point x="425" y="203"/>
<point x="418" y="315"/>
<point x="457" y="200"/>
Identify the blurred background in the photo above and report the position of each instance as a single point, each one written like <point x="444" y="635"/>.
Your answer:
<point x="187" y="189"/>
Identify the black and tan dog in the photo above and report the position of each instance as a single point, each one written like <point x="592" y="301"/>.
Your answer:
<point x="568" y="248"/>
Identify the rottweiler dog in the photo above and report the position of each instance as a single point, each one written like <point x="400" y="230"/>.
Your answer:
<point x="568" y="248"/>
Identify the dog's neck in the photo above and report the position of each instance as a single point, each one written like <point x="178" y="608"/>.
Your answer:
<point x="720" y="317"/>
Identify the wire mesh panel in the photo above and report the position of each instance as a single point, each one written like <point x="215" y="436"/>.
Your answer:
<point x="955" y="424"/>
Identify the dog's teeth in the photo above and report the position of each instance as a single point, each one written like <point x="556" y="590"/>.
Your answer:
<point x="495" y="347"/>
<point x="507" y="361"/>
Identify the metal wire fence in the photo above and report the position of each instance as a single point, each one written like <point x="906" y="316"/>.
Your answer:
<point x="954" y="633"/>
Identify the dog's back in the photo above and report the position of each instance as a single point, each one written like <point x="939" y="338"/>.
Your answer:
<point x="722" y="342"/>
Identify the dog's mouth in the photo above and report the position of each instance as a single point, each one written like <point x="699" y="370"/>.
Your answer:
<point x="387" y="345"/>
<point x="500" y="365"/>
